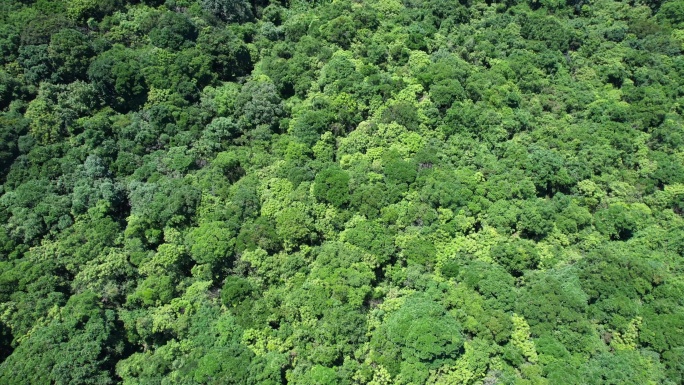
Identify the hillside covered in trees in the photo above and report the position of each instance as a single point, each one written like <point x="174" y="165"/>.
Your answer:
<point x="341" y="192"/>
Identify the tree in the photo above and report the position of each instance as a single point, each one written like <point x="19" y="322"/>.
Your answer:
<point x="420" y="332"/>
<point x="230" y="57"/>
<point x="672" y="11"/>
<point x="117" y="75"/>
<point x="621" y="221"/>
<point x="12" y="126"/>
<point x="260" y="233"/>
<point x="228" y="10"/>
<point x="373" y="237"/>
<point x="235" y="290"/>
<point x="400" y="171"/>
<point x="259" y="105"/>
<point x="156" y="205"/>
<point x="82" y="10"/>
<point x="110" y="276"/>
<point x="35" y="61"/>
<point x="621" y="367"/>
<point x="78" y="346"/>
<point x="546" y="169"/>
<point x="173" y="31"/>
<point x="9" y="43"/>
<point x="212" y="243"/>
<point x="294" y="225"/>
<point x="517" y="256"/>
<point x="388" y="192"/>
<point x="308" y="127"/>
<point x="70" y="55"/>
<point x="332" y="186"/>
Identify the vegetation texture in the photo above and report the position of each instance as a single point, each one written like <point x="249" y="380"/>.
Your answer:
<point x="341" y="192"/>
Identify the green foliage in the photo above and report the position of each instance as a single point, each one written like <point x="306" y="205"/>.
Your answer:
<point x="606" y="274"/>
<point x="156" y="290"/>
<point x="228" y="10"/>
<point x="294" y="225"/>
<point x="373" y="237"/>
<point x="109" y="275"/>
<point x="672" y="11"/>
<point x="74" y="347"/>
<point x="117" y="75"/>
<point x="622" y="367"/>
<point x="70" y="54"/>
<point x="173" y="31"/>
<point x="53" y="113"/>
<point x="230" y="56"/>
<point x="234" y="290"/>
<point x="332" y="186"/>
<point x="156" y="205"/>
<point x="212" y="243"/>
<point x="419" y="332"/>
<point x="516" y="256"/>
<point x="82" y="10"/>
<point x="555" y="302"/>
<point x="621" y="221"/>
<point x="308" y="127"/>
<point x="259" y="106"/>
<point x="259" y="233"/>
<point x="387" y="192"/>
<point x="343" y="273"/>
<point x="13" y="126"/>
<point x="399" y="171"/>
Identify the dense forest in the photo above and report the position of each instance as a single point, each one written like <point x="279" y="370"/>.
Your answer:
<point x="341" y="192"/>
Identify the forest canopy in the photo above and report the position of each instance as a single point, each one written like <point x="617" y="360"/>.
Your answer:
<point x="341" y="192"/>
